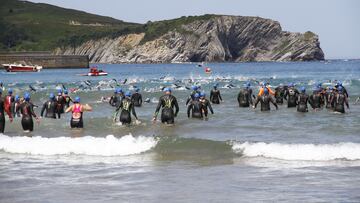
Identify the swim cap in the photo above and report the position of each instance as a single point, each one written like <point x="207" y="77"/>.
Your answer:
<point x="319" y="84"/>
<point x="119" y="90"/>
<point x="128" y="94"/>
<point x="17" y="97"/>
<point x="194" y="87"/>
<point x="137" y="89"/>
<point x="59" y="91"/>
<point x="340" y="89"/>
<point x="266" y="91"/>
<point x="196" y="95"/>
<point x="167" y="89"/>
<point x="302" y="89"/>
<point x="248" y="84"/>
<point x="10" y="91"/>
<point x="51" y="96"/>
<point x="77" y="99"/>
<point x="291" y="84"/>
<point x="202" y="94"/>
<point x="216" y="85"/>
<point x="339" y="83"/>
<point x="27" y="96"/>
<point x="66" y="91"/>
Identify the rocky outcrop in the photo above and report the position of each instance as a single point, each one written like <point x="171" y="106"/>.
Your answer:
<point x="221" y="38"/>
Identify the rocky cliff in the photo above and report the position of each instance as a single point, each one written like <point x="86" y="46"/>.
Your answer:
<point x="218" y="39"/>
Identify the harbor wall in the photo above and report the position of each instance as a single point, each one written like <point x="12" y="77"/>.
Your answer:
<point x="46" y="59"/>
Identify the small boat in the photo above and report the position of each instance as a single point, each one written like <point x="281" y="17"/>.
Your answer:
<point x="208" y="70"/>
<point x="21" y="67"/>
<point x="95" y="72"/>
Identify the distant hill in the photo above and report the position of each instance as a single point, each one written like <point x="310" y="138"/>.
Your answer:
<point x="26" y="26"/>
<point x="37" y="26"/>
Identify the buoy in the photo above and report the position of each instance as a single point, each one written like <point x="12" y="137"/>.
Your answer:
<point x="207" y="70"/>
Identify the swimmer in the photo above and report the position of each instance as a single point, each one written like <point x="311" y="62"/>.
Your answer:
<point x="77" y="110"/>
<point x="27" y="112"/>
<point x="215" y="96"/>
<point x="167" y="102"/>
<point x="136" y="98"/>
<point x="205" y="104"/>
<point x="244" y="96"/>
<point x="195" y="107"/>
<point x="302" y="101"/>
<point x="291" y="95"/>
<point x="339" y="100"/>
<point x="126" y="106"/>
<point x="50" y="107"/>
<point x="2" y="113"/>
<point x="265" y="100"/>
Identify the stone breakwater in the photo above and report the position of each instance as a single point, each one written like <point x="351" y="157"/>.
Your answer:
<point x="46" y="59"/>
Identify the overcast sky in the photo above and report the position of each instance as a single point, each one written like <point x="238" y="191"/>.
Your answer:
<point x="337" y="22"/>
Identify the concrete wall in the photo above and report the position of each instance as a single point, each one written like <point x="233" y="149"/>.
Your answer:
<point x="47" y="60"/>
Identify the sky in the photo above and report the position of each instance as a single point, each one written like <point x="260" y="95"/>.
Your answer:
<point x="337" y="22"/>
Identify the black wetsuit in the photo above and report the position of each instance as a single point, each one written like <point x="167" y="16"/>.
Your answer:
<point x="27" y="112"/>
<point x="279" y="94"/>
<point x="244" y="97"/>
<point x="136" y="98"/>
<point x="191" y="97"/>
<point x="291" y="95"/>
<point x="50" y="108"/>
<point x="115" y="100"/>
<point x="60" y="101"/>
<point x="195" y="107"/>
<point x="67" y="101"/>
<point x="316" y="100"/>
<point x="167" y="103"/>
<point x="215" y="96"/>
<point x="340" y="100"/>
<point x="302" y="101"/>
<point x="265" y="102"/>
<point x="126" y="106"/>
<point x="205" y="106"/>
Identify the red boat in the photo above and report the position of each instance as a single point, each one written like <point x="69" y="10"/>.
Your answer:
<point x="21" y="67"/>
<point x="95" y="72"/>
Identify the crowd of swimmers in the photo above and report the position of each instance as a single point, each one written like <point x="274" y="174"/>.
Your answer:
<point x="198" y="106"/>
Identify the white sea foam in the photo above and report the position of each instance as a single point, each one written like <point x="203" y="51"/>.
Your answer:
<point x="305" y="152"/>
<point x="96" y="146"/>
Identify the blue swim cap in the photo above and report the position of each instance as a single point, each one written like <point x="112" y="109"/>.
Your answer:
<point x="128" y="94"/>
<point x="167" y="89"/>
<point x="10" y="91"/>
<point x="216" y="85"/>
<point x="303" y="89"/>
<point x="77" y="99"/>
<point x="291" y="84"/>
<point x="319" y="84"/>
<point x="137" y="89"/>
<point x="51" y="96"/>
<point x="17" y="97"/>
<point x="196" y="95"/>
<point x="340" y="89"/>
<point x="330" y="88"/>
<point x="266" y="91"/>
<point x="66" y="91"/>
<point x="194" y="87"/>
<point x="248" y="84"/>
<point x="339" y="83"/>
<point x="27" y="96"/>
<point x="202" y="94"/>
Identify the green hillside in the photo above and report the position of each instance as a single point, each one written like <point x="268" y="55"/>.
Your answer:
<point x="36" y="26"/>
<point x="27" y="26"/>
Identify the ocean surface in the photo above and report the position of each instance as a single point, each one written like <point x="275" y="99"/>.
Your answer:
<point x="237" y="155"/>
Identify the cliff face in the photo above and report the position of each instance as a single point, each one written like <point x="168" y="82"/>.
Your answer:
<point x="221" y="38"/>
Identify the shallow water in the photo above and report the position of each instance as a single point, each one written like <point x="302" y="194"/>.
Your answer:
<point x="238" y="155"/>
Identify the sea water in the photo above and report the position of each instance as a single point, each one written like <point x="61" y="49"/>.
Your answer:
<point x="237" y="155"/>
